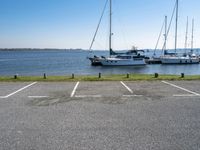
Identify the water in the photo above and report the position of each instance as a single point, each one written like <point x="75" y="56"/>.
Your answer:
<point x="65" y="62"/>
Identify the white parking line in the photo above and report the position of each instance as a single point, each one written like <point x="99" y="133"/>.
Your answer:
<point x="126" y="87"/>
<point x="18" y="90"/>
<point x="85" y="96"/>
<point x="186" y="95"/>
<point x="2" y="97"/>
<point x="132" y="95"/>
<point x="74" y="90"/>
<point x="181" y="88"/>
<point x="38" y="96"/>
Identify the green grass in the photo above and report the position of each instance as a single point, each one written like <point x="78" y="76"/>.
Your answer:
<point x="132" y="77"/>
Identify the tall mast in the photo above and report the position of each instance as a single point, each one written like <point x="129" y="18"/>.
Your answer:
<point x="165" y="44"/>
<point x="192" y="41"/>
<point x="176" y="26"/>
<point x="110" y="34"/>
<point x="186" y="35"/>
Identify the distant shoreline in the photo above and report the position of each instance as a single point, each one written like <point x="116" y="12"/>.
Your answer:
<point x="79" y="49"/>
<point x="38" y="49"/>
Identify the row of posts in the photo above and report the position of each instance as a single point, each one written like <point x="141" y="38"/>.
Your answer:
<point x="156" y="75"/>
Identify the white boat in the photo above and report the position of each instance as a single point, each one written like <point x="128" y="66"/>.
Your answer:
<point x="175" y="58"/>
<point x="122" y="61"/>
<point x="130" y="58"/>
<point x="180" y="59"/>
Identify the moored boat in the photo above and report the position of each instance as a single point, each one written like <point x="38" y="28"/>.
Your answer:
<point x="174" y="58"/>
<point x="130" y="58"/>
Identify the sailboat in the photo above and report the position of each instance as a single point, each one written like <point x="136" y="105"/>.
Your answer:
<point x="157" y="59"/>
<point x="133" y="57"/>
<point x="174" y="58"/>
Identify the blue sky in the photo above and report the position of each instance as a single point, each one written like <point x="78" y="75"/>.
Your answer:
<point x="72" y="23"/>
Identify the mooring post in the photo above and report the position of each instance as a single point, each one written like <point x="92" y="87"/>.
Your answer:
<point x="99" y="75"/>
<point x="45" y="76"/>
<point x="156" y="75"/>
<point x="182" y="75"/>
<point x="15" y="76"/>
<point x="127" y="75"/>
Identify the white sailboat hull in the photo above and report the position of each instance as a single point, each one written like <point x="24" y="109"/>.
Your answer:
<point x="179" y="60"/>
<point x="122" y="62"/>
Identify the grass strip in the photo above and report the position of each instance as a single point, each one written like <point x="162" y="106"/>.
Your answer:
<point x="132" y="77"/>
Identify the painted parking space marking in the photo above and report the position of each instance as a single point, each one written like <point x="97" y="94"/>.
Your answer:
<point x="181" y="88"/>
<point x="131" y="91"/>
<point x="186" y="95"/>
<point x="74" y="90"/>
<point x="38" y="96"/>
<point x="132" y="95"/>
<point x="87" y="96"/>
<point x="21" y="89"/>
<point x="2" y="97"/>
<point x="126" y="87"/>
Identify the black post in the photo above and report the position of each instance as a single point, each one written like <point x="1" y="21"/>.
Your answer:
<point x="45" y="76"/>
<point x="99" y="75"/>
<point x="72" y="76"/>
<point x="15" y="76"/>
<point x="182" y="75"/>
<point x="156" y="75"/>
<point x="127" y="75"/>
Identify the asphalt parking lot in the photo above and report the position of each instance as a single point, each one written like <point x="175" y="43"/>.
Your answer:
<point x="100" y="115"/>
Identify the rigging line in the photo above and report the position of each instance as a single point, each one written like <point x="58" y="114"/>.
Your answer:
<point x="98" y="25"/>
<point x="169" y="25"/>
<point x="159" y="38"/>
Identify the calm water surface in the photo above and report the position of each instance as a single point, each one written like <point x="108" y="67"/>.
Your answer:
<point x="65" y="62"/>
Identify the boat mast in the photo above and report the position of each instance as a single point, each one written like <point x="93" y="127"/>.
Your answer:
<point x="192" y="41"/>
<point x="110" y="34"/>
<point x="176" y="26"/>
<point x="165" y="44"/>
<point x="186" y="35"/>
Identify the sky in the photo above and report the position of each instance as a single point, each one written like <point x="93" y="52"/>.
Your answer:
<point x="72" y="23"/>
